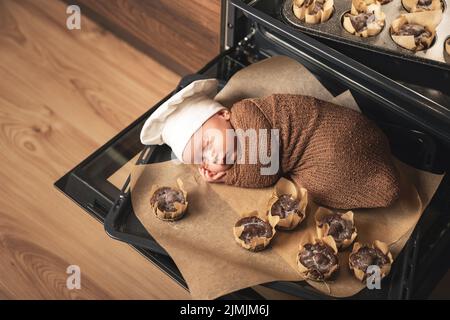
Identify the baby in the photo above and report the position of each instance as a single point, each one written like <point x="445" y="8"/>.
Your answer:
<point x="337" y="154"/>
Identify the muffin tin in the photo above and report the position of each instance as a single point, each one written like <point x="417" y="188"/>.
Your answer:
<point x="333" y="29"/>
<point x="446" y="55"/>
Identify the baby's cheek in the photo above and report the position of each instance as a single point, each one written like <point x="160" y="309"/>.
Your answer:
<point x="218" y="167"/>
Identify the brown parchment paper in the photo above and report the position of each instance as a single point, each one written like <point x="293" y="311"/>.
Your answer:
<point x="202" y="243"/>
<point x="275" y="75"/>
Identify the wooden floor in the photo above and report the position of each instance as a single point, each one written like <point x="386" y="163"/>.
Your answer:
<point x="62" y="95"/>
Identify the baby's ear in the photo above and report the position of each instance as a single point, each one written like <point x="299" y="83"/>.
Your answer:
<point x="224" y="114"/>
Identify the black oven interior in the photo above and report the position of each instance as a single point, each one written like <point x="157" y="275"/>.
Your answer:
<point x="412" y="73"/>
<point x="249" y="34"/>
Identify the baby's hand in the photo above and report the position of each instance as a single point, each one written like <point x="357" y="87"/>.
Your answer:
<point x="209" y="176"/>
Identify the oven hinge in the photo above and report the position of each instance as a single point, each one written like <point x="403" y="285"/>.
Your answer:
<point x="246" y="47"/>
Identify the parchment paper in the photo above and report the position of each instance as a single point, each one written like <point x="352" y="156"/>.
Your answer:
<point x="275" y="75"/>
<point x="202" y="243"/>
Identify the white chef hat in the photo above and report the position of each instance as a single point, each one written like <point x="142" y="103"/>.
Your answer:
<point x="177" y="119"/>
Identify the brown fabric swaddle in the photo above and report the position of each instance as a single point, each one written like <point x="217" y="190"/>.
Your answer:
<point x="341" y="157"/>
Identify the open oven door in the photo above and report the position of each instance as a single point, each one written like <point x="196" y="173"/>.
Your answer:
<point x="95" y="184"/>
<point x="418" y="128"/>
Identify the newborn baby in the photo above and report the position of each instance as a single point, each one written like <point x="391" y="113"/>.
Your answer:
<point x="337" y="154"/>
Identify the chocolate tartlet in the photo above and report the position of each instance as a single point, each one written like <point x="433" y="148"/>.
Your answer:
<point x="166" y="197"/>
<point x="363" y="256"/>
<point x="168" y="203"/>
<point x="415" y="31"/>
<point x="313" y="11"/>
<point x="365" y="18"/>
<point x="421" y="34"/>
<point x="287" y="204"/>
<point x="318" y="261"/>
<point x="253" y="233"/>
<point x="340" y="226"/>
<point x="284" y="206"/>
<point x="422" y="5"/>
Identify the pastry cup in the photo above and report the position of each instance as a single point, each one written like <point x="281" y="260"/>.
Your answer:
<point x="365" y="6"/>
<point x="180" y="208"/>
<point x="427" y="19"/>
<point x="306" y="272"/>
<point x="303" y="10"/>
<point x="384" y="269"/>
<point x="256" y="243"/>
<point x="323" y="228"/>
<point x="413" y="6"/>
<point x="299" y="9"/>
<point x="286" y="187"/>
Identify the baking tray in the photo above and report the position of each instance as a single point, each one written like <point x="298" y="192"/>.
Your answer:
<point x="411" y="146"/>
<point x="435" y="56"/>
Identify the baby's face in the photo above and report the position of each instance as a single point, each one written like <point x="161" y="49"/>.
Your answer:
<point x="211" y="146"/>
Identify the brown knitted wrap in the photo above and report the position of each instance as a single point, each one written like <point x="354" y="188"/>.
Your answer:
<point x="341" y="157"/>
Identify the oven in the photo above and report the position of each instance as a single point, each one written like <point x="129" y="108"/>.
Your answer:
<point x="409" y="100"/>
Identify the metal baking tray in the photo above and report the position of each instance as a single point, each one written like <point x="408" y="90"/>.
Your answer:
<point x="333" y="29"/>
<point x="413" y="147"/>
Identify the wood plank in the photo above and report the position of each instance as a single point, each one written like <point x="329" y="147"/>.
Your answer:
<point x="182" y="35"/>
<point x="62" y="95"/>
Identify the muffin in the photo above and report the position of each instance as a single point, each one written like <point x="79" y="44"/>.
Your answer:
<point x="364" y="255"/>
<point x="313" y="11"/>
<point x="253" y="233"/>
<point x="318" y="260"/>
<point x="340" y="226"/>
<point x="365" y="19"/>
<point x="288" y="205"/>
<point x="169" y="203"/>
<point x="422" y="5"/>
<point x="415" y="31"/>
